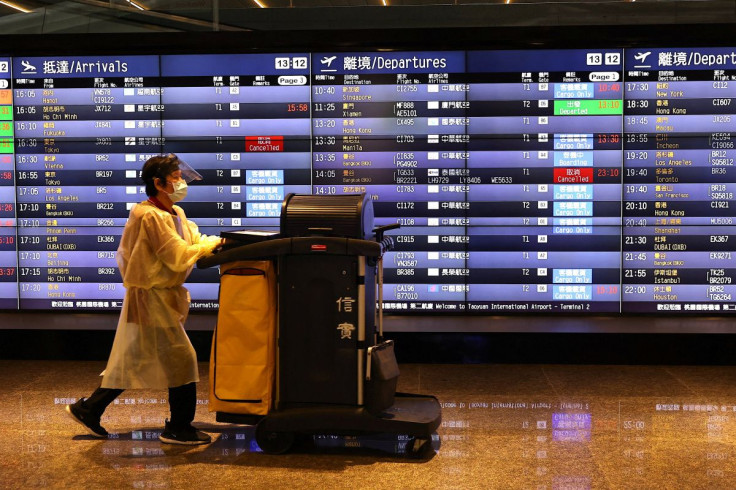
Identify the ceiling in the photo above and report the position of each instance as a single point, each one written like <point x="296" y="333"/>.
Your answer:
<point x="85" y="16"/>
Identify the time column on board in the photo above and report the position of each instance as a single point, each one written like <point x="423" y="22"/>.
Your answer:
<point x="82" y="125"/>
<point x="242" y="121"/>
<point x="680" y="181"/>
<point x="544" y="177"/>
<point x="392" y="125"/>
<point x="8" y="231"/>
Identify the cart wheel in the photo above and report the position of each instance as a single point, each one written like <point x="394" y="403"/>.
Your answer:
<point x="272" y="442"/>
<point x="418" y="448"/>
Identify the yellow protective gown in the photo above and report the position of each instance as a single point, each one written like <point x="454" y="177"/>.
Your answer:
<point x="157" y="253"/>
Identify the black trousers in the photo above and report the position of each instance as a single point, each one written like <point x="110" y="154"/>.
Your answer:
<point x="182" y="402"/>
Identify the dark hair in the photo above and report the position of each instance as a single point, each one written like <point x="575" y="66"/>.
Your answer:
<point x="158" y="167"/>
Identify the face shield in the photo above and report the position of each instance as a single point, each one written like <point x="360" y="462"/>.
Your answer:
<point x="187" y="172"/>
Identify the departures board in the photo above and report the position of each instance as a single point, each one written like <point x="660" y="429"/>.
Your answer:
<point x="527" y="181"/>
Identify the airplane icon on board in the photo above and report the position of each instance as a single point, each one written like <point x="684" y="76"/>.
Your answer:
<point x="328" y="60"/>
<point x="327" y="63"/>
<point x="28" y="68"/>
<point x="641" y="57"/>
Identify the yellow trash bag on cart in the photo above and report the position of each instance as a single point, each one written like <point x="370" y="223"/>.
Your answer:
<point x="243" y="357"/>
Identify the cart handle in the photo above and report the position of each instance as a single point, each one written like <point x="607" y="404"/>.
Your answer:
<point x="386" y="245"/>
<point x="379" y="231"/>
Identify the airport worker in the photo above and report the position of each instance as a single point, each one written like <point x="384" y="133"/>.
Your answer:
<point x="151" y="350"/>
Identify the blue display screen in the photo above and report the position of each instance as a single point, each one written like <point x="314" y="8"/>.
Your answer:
<point x="535" y="181"/>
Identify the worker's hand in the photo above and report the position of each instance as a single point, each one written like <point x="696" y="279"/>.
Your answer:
<point x="220" y="245"/>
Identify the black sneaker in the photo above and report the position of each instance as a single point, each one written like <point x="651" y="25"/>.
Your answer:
<point x="83" y="417"/>
<point x="188" y="436"/>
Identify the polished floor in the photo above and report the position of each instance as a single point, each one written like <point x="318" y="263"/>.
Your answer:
<point x="504" y="426"/>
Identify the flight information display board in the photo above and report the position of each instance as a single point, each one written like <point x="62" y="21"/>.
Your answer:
<point x="544" y="167"/>
<point x="394" y="125"/>
<point x="8" y="230"/>
<point x="679" y="181"/>
<point x="243" y="122"/>
<point x="527" y="181"/>
<point x="81" y="126"/>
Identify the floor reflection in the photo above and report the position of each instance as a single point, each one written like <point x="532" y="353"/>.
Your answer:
<point x="609" y="437"/>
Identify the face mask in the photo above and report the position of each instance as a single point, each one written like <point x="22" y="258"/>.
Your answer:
<point x="180" y="191"/>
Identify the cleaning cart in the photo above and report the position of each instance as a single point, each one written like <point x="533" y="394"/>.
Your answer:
<point x="299" y="348"/>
